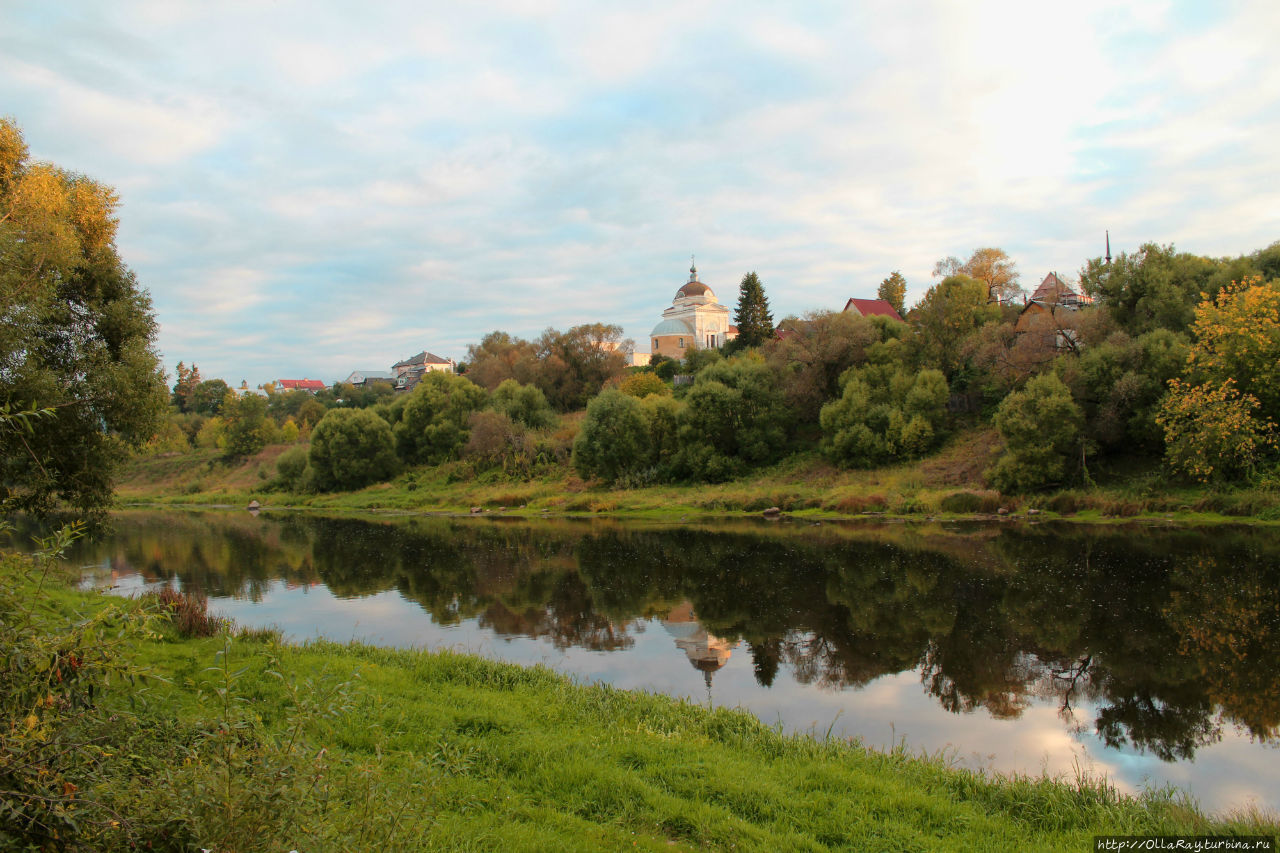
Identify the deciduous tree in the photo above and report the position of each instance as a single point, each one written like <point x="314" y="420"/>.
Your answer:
<point x="77" y="336"/>
<point x="894" y="291"/>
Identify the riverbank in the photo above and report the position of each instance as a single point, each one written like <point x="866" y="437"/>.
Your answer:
<point x="243" y="742"/>
<point x="945" y="485"/>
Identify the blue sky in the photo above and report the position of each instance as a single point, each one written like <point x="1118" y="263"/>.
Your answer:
<point x="311" y="188"/>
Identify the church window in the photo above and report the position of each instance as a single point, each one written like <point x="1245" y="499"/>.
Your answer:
<point x="682" y="342"/>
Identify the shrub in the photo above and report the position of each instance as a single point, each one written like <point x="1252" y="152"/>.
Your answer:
<point x="643" y="385"/>
<point x="884" y="412"/>
<point x="434" y="423"/>
<point x="614" y="439"/>
<point x="351" y="448"/>
<point x="523" y="404"/>
<point x="291" y="466"/>
<point x="1041" y="428"/>
<point x="188" y="611"/>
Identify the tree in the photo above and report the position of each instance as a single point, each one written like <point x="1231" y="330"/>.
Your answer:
<point x="246" y="426"/>
<point x="434" y="424"/>
<point x="991" y="266"/>
<point x="642" y="385"/>
<point x="894" y="291"/>
<point x="523" y="404"/>
<point x="206" y="398"/>
<point x="1220" y="421"/>
<point x="573" y="366"/>
<point x="951" y="311"/>
<point x="809" y="362"/>
<point x="613" y="442"/>
<point x="752" y="317"/>
<point x="351" y="448"/>
<point x="1041" y="428"/>
<point x="499" y="357"/>
<point x="734" y="416"/>
<point x="185" y="388"/>
<point x="77" y="337"/>
<point x="1157" y="287"/>
<point x="884" y="412"/>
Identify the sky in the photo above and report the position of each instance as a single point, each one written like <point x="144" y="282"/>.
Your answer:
<point x="312" y="188"/>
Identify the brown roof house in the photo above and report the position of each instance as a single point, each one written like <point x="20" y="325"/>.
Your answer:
<point x="872" y="308"/>
<point x="1048" y="312"/>
<point x="410" y="371"/>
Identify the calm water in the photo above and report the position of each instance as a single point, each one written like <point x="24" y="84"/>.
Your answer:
<point x="1150" y="656"/>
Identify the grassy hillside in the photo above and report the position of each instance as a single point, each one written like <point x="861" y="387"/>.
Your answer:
<point x="947" y="483"/>
<point x="241" y="743"/>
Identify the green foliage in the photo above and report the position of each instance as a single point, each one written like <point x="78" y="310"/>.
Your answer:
<point x="208" y="396"/>
<point x="1119" y="384"/>
<point x="53" y="672"/>
<point x="613" y="442"/>
<point x="523" y="404"/>
<point x="884" y="412"/>
<point x="752" y="317"/>
<point x="1222" y="421"/>
<point x="642" y="385"/>
<point x="291" y="467"/>
<point x="949" y="313"/>
<point x="434" y="425"/>
<point x="246" y="427"/>
<point x="76" y="338"/>
<point x="351" y="448"/>
<point x="734" y="416"/>
<point x="573" y="366"/>
<point x="894" y="291"/>
<point x="1158" y="287"/>
<point x="809" y="362"/>
<point x="1041" y="427"/>
<point x="664" y="367"/>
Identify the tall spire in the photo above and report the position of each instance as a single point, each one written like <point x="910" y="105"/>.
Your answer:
<point x="1108" y="247"/>
<point x="693" y="269"/>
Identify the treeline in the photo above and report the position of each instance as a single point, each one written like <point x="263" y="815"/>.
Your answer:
<point x="1175" y="358"/>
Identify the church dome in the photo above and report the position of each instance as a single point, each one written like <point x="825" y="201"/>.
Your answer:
<point x="694" y="288"/>
<point x="671" y="327"/>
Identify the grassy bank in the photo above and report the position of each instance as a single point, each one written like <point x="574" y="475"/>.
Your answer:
<point x="947" y="484"/>
<point x="237" y="743"/>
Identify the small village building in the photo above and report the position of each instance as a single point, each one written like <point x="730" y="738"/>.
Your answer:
<point x="360" y="378"/>
<point x="311" y="386"/>
<point x="409" y="373"/>
<point x="695" y="320"/>
<point x="872" y="308"/>
<point x="1047" y="312"/>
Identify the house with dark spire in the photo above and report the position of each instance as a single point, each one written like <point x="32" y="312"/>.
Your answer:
<point x="1047" y="311"/>
<point x="695" y="320"/>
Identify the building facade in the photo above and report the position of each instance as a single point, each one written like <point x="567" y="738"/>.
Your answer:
<point x="695" y="320"/>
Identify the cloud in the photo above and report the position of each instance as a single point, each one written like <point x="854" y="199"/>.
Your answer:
<point x="418" y="176"/>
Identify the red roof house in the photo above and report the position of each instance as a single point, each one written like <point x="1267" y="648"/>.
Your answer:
<point x="872" y="308"/>
<point x="310" y="385"/>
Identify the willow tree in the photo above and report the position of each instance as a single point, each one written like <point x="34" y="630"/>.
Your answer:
<point x="76" y="337"/>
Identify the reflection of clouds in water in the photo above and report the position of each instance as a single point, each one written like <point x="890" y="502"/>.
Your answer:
<point x="892" y="708"/>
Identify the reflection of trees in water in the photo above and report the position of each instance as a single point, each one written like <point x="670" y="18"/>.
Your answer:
<point x="1171" y="635"/>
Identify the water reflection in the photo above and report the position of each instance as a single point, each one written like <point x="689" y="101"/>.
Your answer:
<point x="1153" y="643"/>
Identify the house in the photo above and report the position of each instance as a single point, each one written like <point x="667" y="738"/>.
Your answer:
<point x="409" y="373"/>
<point x="872" y="308"/>
<point x="1048" y="310"/>
<point x="695" y="320"/>
<point x="370" y="377"/>
<point x="311" y="386"/>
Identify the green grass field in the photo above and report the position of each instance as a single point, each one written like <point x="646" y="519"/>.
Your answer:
<point x="237" y="742"/>
<point x="945" y="485"/>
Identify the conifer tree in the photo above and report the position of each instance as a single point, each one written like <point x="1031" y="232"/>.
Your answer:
<point x="752" y="317"/>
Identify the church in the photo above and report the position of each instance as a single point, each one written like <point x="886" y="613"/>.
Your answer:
<point x="695" y="320"/>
